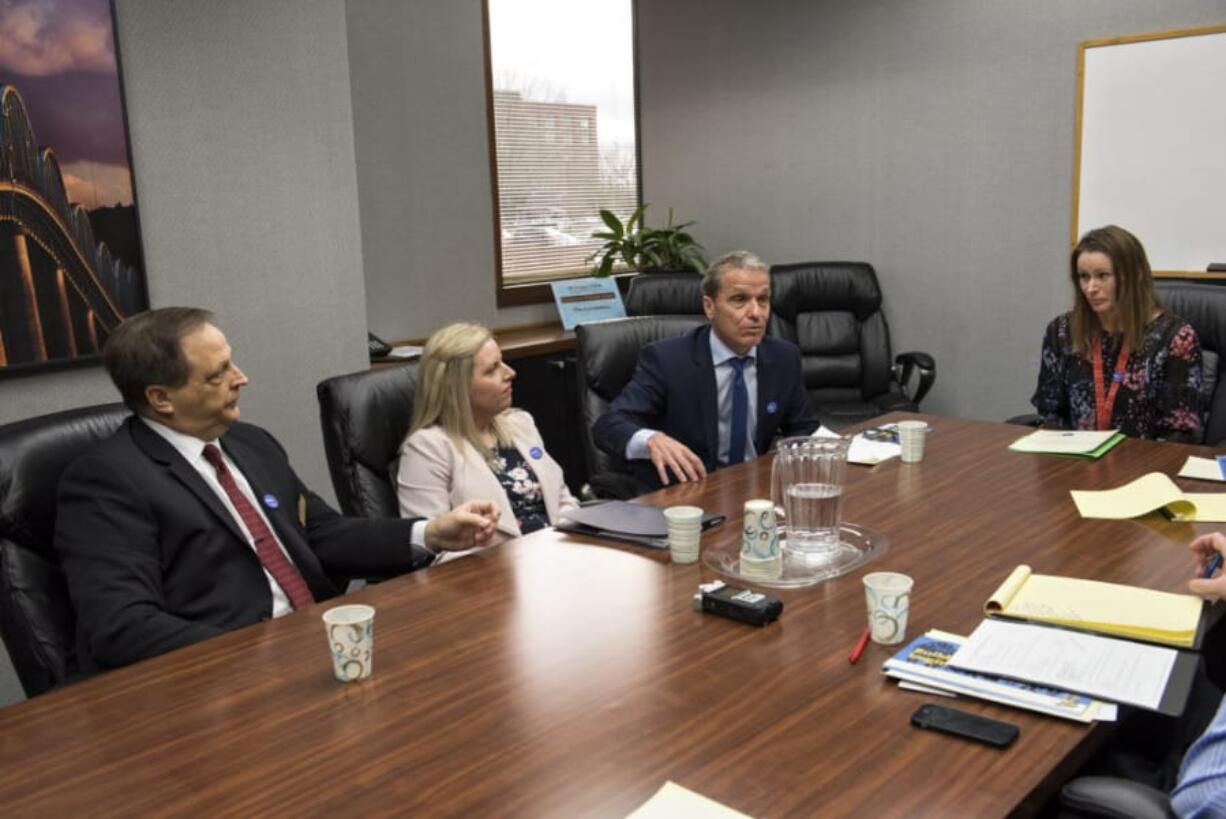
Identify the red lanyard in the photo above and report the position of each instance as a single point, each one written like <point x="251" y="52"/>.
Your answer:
<point x="1104" y="401"/>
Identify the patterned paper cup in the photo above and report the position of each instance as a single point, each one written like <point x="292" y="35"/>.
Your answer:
<point x="889" y="601"/>
<point x="351" y="637"/>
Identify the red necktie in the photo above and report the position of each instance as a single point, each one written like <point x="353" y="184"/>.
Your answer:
<point x="266" y="546"/>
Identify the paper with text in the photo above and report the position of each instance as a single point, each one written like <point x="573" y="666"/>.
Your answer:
<point x="1116" y="670"/>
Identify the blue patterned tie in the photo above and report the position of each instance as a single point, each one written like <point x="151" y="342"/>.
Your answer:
<point x="740" y="412"/>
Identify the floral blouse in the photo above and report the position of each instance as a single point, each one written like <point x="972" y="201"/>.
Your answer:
<point x="1160" y="394"/>
<point x="522" y="488"/>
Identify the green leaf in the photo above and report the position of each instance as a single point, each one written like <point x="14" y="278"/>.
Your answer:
<point x="637" y="216"/>
<point x="610" y="219"/>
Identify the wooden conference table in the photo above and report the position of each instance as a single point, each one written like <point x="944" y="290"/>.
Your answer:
<point x="559" y="677"/>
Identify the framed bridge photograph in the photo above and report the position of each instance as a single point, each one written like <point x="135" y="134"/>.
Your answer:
<point x="71" y="266"/>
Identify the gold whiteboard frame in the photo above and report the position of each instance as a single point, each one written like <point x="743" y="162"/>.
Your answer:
<point x="1125" y="39"/>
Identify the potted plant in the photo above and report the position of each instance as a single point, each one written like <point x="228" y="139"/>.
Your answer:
<point x="646" y="249"/>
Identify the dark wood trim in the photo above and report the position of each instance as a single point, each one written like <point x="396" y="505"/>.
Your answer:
<point x="517" y="341"/>
<point x="516" y="295"/>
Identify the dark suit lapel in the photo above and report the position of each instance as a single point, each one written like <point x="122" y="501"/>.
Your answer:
<point x="768" y="399"/>
<point x="266" y="494"/>
<point x="708" y="400"/>
<point x="160" y="450"/>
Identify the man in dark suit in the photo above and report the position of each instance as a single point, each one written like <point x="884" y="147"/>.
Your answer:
<point x="715" y="396"/>
<point x="186" y="523"/>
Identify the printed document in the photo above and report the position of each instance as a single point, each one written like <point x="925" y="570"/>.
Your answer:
<point x="1115" y="670"/>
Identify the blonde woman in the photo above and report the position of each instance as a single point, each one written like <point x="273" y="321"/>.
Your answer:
<point x="466" y="441"/>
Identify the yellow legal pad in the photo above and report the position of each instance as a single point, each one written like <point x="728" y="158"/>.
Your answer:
<point x="1090" y="605"/>
<point x="1150" y="493"/>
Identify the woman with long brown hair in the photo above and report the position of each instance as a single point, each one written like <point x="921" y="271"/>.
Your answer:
<point x="1118" y="360"/>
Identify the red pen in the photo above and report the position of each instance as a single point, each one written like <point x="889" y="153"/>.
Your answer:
<point x="859" y="649"/>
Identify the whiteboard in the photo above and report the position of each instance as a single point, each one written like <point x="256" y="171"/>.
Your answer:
<point x="1151" y="144"/>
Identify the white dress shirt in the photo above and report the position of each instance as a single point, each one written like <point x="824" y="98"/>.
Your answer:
<point x="192" y="450"/>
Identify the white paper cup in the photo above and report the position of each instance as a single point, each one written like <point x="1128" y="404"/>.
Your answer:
<point x="684" y="532"/>
<point x="911" y="440"/>
<point x="351" y="637"/>
<point x="759" y="536"/>
<point x="889" y="601"/>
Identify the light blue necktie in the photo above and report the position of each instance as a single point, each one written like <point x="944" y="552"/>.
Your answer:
<point x="740" y="412"/>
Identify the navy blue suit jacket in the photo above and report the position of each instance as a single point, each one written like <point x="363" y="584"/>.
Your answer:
<point x="673" y="390"/>
<point x="154" y="561"/>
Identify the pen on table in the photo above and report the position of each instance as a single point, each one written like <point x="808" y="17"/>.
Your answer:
<point x="859" y="649"/>
<point x="1213" y="566"/>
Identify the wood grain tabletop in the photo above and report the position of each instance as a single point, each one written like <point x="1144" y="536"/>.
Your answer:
<point x="561" y="676"/>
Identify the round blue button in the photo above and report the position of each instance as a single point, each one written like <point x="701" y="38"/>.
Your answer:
<point x="536" y="452"/>
<point x="270" y="501"/>
<point x="771" y="408"/>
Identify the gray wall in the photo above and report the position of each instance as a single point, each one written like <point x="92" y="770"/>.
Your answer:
<point x="419" y="121"/>
<point x="932" y="138"/>
<point x="242" y="139"/>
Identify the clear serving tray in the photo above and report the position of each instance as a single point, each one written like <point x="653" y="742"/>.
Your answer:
<point x="857" y="546"/>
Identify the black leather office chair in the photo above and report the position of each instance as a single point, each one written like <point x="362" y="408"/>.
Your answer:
<point x="1109" y="797"/>
<point x="364" y="417"/>
<point x="832" y="311"/>
<point x="665" y="294"/>
<point x="606" y="353"/>
<point x="1204" y="307"/>
<point x="36" y="617"/>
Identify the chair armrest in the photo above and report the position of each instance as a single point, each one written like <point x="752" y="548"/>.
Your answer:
<point x="1115" y="797"/>
<point x="907" y="363"/>
<point x="612" y="486"/>
<point x="1030" y="419"/>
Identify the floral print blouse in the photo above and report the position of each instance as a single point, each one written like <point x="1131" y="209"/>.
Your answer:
<point x="1159" y="397"/>
<point x="523" y="489"/>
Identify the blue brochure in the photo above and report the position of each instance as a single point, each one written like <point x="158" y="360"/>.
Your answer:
<point x="585" y="300"/>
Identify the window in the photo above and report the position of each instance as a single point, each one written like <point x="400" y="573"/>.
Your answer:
<point x="565" y="134"/>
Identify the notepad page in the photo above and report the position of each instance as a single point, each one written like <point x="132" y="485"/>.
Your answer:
<point x="1146" y="494"/>
<point x="1208" y="507"/>
<point x="1109" y="607"/>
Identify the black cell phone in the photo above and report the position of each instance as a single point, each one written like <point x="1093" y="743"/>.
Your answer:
<point x="963" y="724"/>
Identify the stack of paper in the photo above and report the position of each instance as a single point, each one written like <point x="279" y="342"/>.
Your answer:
<point x="925" y="662"/>
<point x="1114" y="670"/>
<point x="1076" y="443"/>
<point x="1150" y="493"/>
<point x="1091" y="605"/>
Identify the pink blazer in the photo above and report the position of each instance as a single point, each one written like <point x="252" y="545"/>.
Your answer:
<point x="435" y="476"/>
